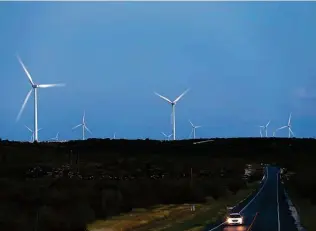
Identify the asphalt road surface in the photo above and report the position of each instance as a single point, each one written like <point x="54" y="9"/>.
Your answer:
<point x="265" y="210"/>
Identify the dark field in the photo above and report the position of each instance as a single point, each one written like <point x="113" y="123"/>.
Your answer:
<point x="64" y="186"/>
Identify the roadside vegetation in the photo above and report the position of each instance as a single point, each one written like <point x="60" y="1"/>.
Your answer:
<point x="67" y="186"/>
<point x="301" y="185"/>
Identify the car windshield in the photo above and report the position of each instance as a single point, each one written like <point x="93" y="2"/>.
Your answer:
<point x="234" y="216"/>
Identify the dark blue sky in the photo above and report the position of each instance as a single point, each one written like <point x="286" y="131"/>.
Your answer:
<point x="245" y="63"/>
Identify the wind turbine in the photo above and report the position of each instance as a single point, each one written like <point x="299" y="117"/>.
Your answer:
<point x="83" y="124"/>
<point x="32" y="137"/>
<point x="167" y="136"/>
<point x="265" y="128"/>
<point x="287" y="126"/>
<point x="56" y="137"/>
<point x="34" y="87"/>
<point x="173" y="105"/>
<point x="193" y="129"/>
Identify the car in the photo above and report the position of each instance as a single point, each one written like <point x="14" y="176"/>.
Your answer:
<point x="234" y="219"/>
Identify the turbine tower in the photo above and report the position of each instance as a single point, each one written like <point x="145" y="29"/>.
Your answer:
<point x="83" y="124"/>
<point x="193" y="129"/>
<point x="167" y="136"/>
<point x="32" y="137"/>
<point x="265" y="128"/>
<point x="173" y="105"/>
<point x="287" y="126"/>
<point x="34" y="87"/>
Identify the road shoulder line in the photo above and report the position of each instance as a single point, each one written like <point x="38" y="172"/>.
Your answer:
<point x="266" y="180"/>
<point x="264" y="184"/>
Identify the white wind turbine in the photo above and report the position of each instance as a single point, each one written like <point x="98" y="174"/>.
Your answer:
<point x="287" y="126"/>
<point x="265" y="128"/>
<point x="32" y="137"/>
<point x="193" y="129"/>
<point x="56" y="137"/>
<point x="34" y="87"/>
<point x="83" y="124"/>
<point x="173" y="105"/>
<point x="167" y="136"/>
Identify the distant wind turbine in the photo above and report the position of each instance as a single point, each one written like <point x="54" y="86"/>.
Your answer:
<point x="173" y="105"/>
<point x="166" y="136"/>
<point x="84" y="127"/>
<point x="287" y="126"/>
<point x="34" y="87"/>
<point x="265" y="128"/>
<point x="55" y="138"/>
<point x="193" y="129"/>
<point x="32" y="137"/>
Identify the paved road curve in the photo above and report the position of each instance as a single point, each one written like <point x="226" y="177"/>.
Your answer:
<point x="266" y="210"/>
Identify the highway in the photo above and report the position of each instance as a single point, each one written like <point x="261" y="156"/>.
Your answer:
<point x="265" y="210"/>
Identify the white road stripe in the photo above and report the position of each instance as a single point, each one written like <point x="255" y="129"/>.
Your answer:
<point x="248" y="202"/>
<point x="257" y="193"/>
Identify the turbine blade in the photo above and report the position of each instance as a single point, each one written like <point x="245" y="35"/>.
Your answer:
<point x="180" y="96"/>
<point x="87" y="129"/>
<point x="289" y="119"/>
<point x="204" y="141"/>
<point x="191" y="123"/>
<point x="190" y="136"/>
<point x="26" y="71"/>
<point x="77" y="126"/>
<point x="84" y="115"/>
<point x="28" y="128"/>
<point x="164" y="134"/>
<point x="24" y="103"/>
<point x="281" y="128"/>
<point x="291" y="131"/>
<point x="268" y="123"/>
<point x="165" y="98"/>
<point x="51" y="85"/>
<point x="39" y="129"/>
<point x="198" y="126"/>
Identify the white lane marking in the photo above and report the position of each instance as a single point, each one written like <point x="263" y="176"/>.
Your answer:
<point x="257" y="193"/>
<point x="248" y="202"/>
<point x="294" y="213"/>
<point x="278" y="207"/>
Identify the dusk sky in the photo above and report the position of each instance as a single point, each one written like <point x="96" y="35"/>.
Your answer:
<point x="245" y="64"/>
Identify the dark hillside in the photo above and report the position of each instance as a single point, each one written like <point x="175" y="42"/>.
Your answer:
<point x="62" y="186"/>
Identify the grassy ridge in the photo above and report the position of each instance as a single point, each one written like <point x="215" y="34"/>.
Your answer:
<point x="173" y="217"/>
